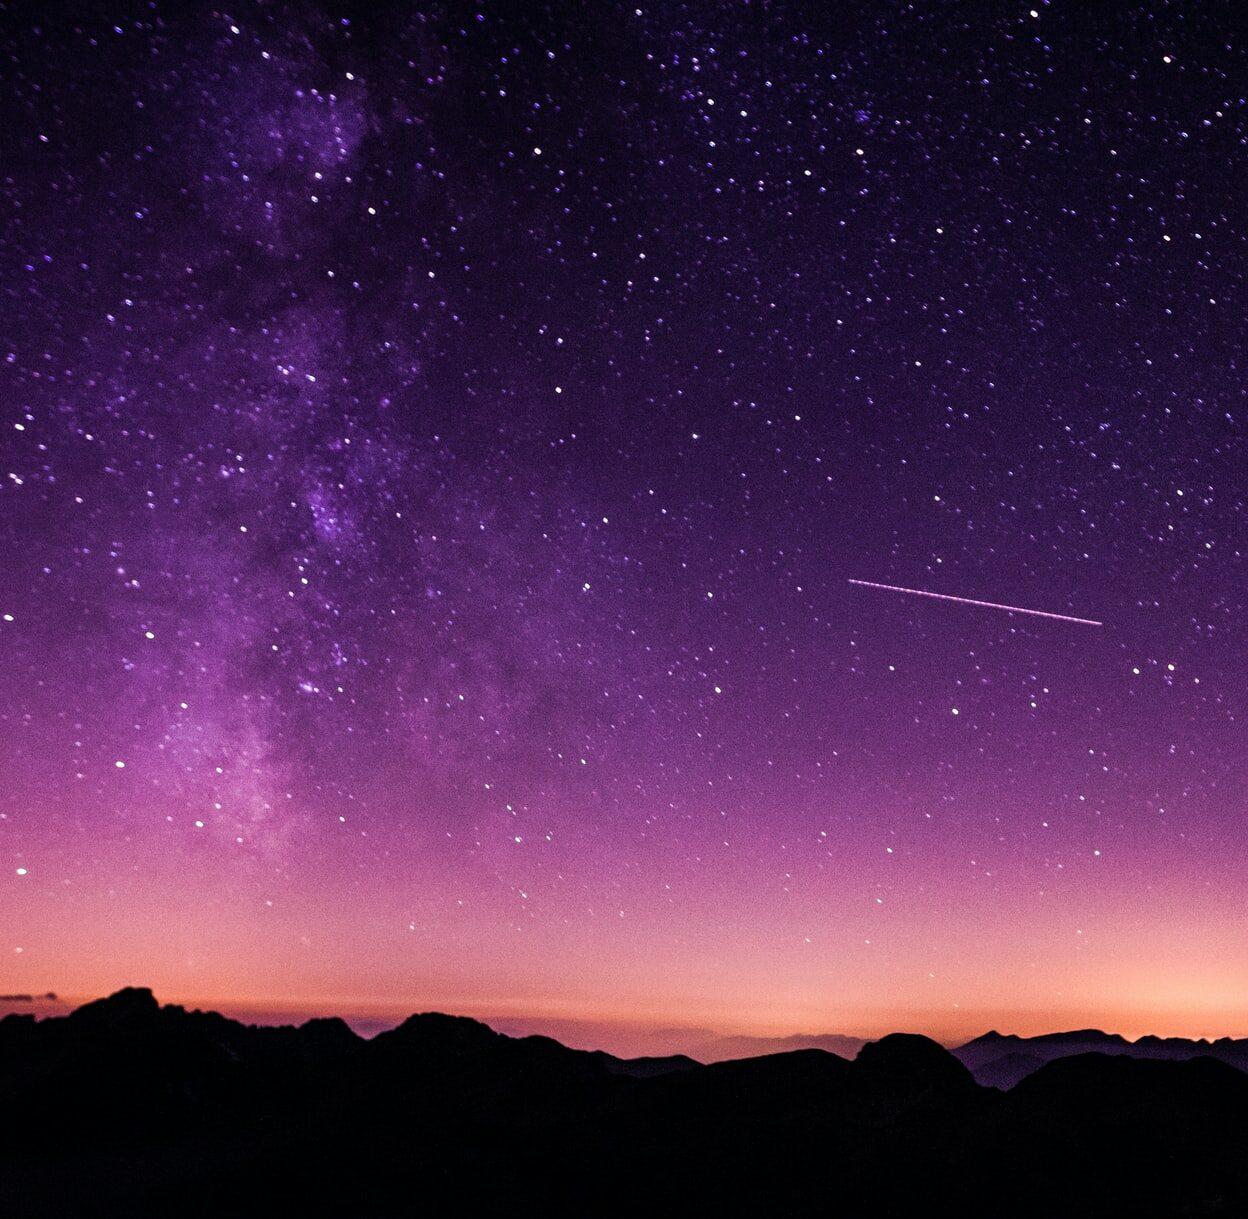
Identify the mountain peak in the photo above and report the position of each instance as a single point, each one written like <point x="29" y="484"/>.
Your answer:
<point x="913" y="1056"/>
<point x="1081" y="1035"/>
<point x="448" y="1033"/>
<point x="125" y="1006"/>
<point x="990" y="1038"/>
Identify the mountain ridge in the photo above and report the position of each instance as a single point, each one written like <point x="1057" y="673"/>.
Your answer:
<point x="125" y="1107"/>
<point x="1005" y="1059"/>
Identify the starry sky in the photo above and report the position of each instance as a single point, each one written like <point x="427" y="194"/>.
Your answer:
<point x="435" y="444"/>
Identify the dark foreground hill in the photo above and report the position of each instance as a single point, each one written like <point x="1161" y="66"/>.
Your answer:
<point x="125" y="1108"/>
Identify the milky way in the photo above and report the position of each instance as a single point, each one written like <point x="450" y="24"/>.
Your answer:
<point x="435" y="445"/>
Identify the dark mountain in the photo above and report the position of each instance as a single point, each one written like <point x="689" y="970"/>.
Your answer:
<point x="1006" y="1071"/>
<point x="1001" y="1060"/>
<point x="646" y="1068"/>
<point x="127" y="1108"/>
<point x="719" y="1049"/>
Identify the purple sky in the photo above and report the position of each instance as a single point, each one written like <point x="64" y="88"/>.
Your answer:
<point x="435" y="448"/>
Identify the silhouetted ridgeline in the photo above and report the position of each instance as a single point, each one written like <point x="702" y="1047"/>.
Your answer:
<point x="718" y="1049"/>
<point x="1002" y="1061"/>
<point x="127" y="1108"/>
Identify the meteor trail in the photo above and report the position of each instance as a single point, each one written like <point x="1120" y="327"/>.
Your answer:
<point x="1012" y="609"/>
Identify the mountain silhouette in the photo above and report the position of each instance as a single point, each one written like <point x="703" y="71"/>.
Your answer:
<point x="125" y="1107"/>
<point x="719" y="1049"/>
<point x="1002" y="1060"/>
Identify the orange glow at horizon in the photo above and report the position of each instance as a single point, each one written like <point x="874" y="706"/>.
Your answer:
<point x="633" y="982"/>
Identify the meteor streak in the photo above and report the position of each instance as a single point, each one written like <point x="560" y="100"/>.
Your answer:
<point x="1011" y="609"/>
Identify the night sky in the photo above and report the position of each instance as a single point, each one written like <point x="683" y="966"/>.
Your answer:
<point x="435" y="445"/>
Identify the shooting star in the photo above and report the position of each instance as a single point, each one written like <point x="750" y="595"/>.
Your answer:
<point x="1010" y="609"/>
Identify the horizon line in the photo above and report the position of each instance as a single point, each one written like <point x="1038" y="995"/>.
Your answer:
<point x="385" y="1011"/>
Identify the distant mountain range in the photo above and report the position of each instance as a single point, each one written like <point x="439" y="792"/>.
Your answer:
<point x="127" y="1108"/>
<point x="1003" y="1060"/>
<point x="997" y="1060"/>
